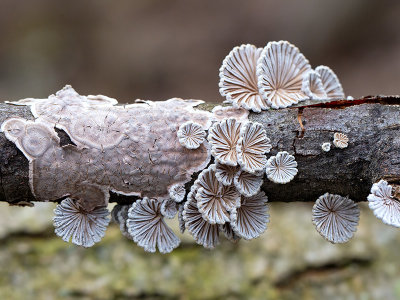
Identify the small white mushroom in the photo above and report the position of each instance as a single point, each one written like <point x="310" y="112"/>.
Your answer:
<point x="280" y="70"/>
<point x="83" y="228"/>
<point x="335" y="217"/>
<point x="204" y="233"/>
<point x="147" y="227"/>
<point x="326" y="147"/>
<point x="177" y="192"/>
<point x="312" y="86"/>
<point x="229" y="233"/>
<point x="223" y="137"/>
<point x="281" y="168"/>
<point x="248" y="184"/>
<point x="331" y="83"/>
<point x="252" y="146"/>
<point x="384" y="205"/>
<point x="340" y="140"/>
<point x="180" y="218"/>
<point x="191" y="135"/>
<point x="215" y="200"/>
<point x="251" y="218"/>
<point x="225" y="173"/>
<point x="238" y="79"/>
<point x="169" y="208"/>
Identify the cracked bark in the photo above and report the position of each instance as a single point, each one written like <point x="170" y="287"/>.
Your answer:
<point x="371" y="123"/>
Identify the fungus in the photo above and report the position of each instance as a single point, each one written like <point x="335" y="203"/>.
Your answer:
<point x="191" y="135"/>
<point x="248" y="184"/>
<point x="280" y="70"/>
<point x="252" y="146"/>
<point x="168" y="208"/>
<point x="330" y="82"/>
<point x="214" y="200"/>
<point x="281" y="168"/>
<point x="335" y="217"/>
<point x="251" y="218"/>
<point x="180" y="218"/>
<point x="340" y="140"/>
<point x="312" y="86"/>
<point x="223" y="137"/>
<point x="83" y="228"/>
<point x="177" y="192"/>
<point x="238" y="79"/>
<point x="229" y="233"/>
<point x="225" y="173"/>
<point x="326" y="147"/>
<point x="225" y="112"/>
<point x="147" y="227"/>
<point x="385" y="206"/>
<point x="204" y="233"/>
<point x="119" y="215"/>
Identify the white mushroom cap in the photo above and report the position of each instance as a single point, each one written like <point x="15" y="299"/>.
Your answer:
<point x="335" y="217"/>
<point x="281" y="168"/>
<point x="238" y="79"/>
<point x="312" y="86"/>
<point x="248" y="184"/>
<point x="251" y="218"/>
<point x="180" y="218"/>
<point x="169" y="208"/>
<point x="177" y="192"/>
<point x="223" y="137"/>
<point x="204" y="233"/>
<point x="225" y="173"/>
<point x="252" y="146"/>
<point x="383" y="204"/>
<point x="191" y="135"/>
<point x="340" y="140"/>
<point x="147" y="227"/>
<point x="280" y="70"/>
<point x="81" y="227"/>
<point x="326" y="147"/>
<point x="215" y="200"/>
<point x="330" y="82"/>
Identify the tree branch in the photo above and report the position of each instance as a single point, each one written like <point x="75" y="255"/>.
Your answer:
<point x="371" y="123"/>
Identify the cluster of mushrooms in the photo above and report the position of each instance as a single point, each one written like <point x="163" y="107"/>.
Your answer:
<point x="225" y="197"/>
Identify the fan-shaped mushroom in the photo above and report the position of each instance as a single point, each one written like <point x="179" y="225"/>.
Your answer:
<point x="191" y="135"/>
<point x="281" y="168"/>
<point x="330" y="82"/>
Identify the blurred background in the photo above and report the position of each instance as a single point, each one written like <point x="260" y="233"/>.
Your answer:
<point x="158" y="49"/>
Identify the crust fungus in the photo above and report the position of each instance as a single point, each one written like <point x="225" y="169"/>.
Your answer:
<point x="191" y="135"/>
<point x="177" y="192"/>
<point x="204" y="233"/>
<point x="281" y="168"/>
<point x="215" y="200"/>
<point x="312" y="86"/>
<point x="148" y="229"/>
<point x="83" y="228"/>
<point x="340" y="140"/>
<point x="385" y="206"/>
<point x="248" y="184"/>
<point x="252" y="146"/>
<point x="335" y="217"/>
<point x="330" y="82"/>
<point x="169" y="208"/>
<point x="326" y="147"/>
<point x="223" y="137"/>
<point x="238" y="79"/>
<point x="280" y="70"/>
<point x="251" y="218"/>
<point x="225" y="173"/>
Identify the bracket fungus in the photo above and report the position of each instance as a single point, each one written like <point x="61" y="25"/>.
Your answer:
<point x="280" y="70"/>
<point x="335" y="217"/>
<point x="229" y="233"/>
<point x="238" y="79"/>
<point x="169" y="208"/>
<point x="225" y="173"/>
<point x="384" y="204"/>
<point x="252" y="146"/>
<point x="312" y="86"/>
<point x="191" y="135"/>
<point x="148" y="229"/>
<point x="340" y="140"/>
<point x="330" y="82"/>
<point x="251" y="218"/>
<point x="74" y="223"/>
<point x="281" y="168"/>
<point x="223" y="137"/>
<point x="119" y="215"/>
<point x="177" y="192"/>
<point x="248" y="184"/>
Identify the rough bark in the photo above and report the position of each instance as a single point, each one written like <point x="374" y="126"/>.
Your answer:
<point x="371" y="123"/>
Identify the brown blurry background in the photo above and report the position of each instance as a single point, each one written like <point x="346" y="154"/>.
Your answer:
<point x="158" y="49"/>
